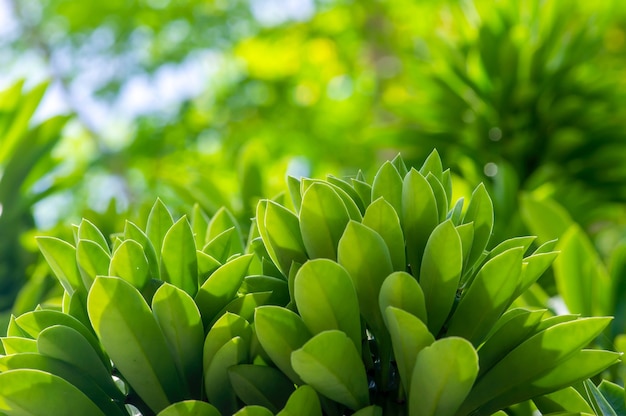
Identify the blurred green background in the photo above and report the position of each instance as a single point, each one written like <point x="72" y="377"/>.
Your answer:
<point x="107" y="105"/>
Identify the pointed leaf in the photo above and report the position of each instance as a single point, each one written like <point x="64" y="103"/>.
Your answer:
<point x="61" y="257"/>
<point x="402" y="291"/>
<point x="88" y="231"/>
<point x="190" y="408"/>
<point x="216" y="382"/>
<point x="179" y="264"/>
<point x="381" y="217"/>
<point x="261" y="385"/>
<point x="480" y="212"/>
<point x="388" y="185"/>
<point x="159" y="222"/>
<point x="133" y="232"/>
<point x="92" y="261"/>
<point x="302" y="402"/>
<point x="130" y="263"/>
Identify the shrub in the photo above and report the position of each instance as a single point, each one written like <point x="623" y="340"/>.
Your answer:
<point x="363" y="299"/>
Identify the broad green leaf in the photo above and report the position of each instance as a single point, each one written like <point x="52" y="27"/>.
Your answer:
<point x="61" y="257"/>
<point x="26" y="392"/>
<point x="133" y="232"/>
<point x="442" y="377"/>
<point x="206" y="266"/>
<point x="349" y="190"/>
<point x="32" y="323"/>
<point x="88" y="231"/>
<point x="330" y="363"/>
<point x="364" y="254"/>
<point x="130" y="334"/>
<point x="253" y="411"/>
<point x="399" y="164"/>
<point x="278" y="287"/>
<point x="199" y="225"/>
<point x="323" y="218"/>
<point x="221" y="287"/>
<point x="514" y="242"/>
<point x="466" y="234"/>
<point x="216" y="382"/>
<point x="223" y="245"/>
<point x="68" y="345"/>
<point x="409" y="336"/>
<point x="227" y="327"/>
<point x="533" y="268"/>
<point x="614" y="394"/>
<point x="488" y="297"/>
<point x="433" y="165"/>
<point x="15" y="345"/>
<point x="354" y="213"/>
<point x="179" y="263"/>
<point x="456" y="212"/>
<point x="598" y="401"/>
<point x="92" y="261"/>
<point x="446" y="181"/>
<point x="130" y="263"/>
<point x="402" y="291"/>
<point x="294" y="191"/>
<point x="190" y="408"/>
<point x="567" y="399"/>
<point x="261" y="385"/>
<point x="326" y="299"/>
<point x="245" y="305"/>
<point x="372" y="410"/>
<point x="388" y="185"/>
<point x="181" y="323"/>
<point x="364" y="190"/>
<point x="480" y="212"/>
<point x="222" y="221"/>
<point x="440" y="273"/>
<point x="533" y="358"/>
<point x="581" y="278"/>
<point x="302" y="402"/>
<point x="381" y="217"/>
<point x="440" y="196"/>
<point x="544" y="217"/>
<point x="159" y="222"/>
<point x="280" y="231"/>
<point x="507" y="336"/>
<point x="69" y="373"/>
<point x="280" y="332"/>
<point x="419" y="216"/>
<point x="580" y="366"/>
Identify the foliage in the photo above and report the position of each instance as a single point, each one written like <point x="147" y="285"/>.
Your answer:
<point x="354" y="298"/>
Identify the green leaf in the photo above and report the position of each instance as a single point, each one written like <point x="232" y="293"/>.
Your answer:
<point x="15" y="345"/>
<point x="88" y="231"/>
<point x="533" y="268"/>
<point x="130" y="263"/>
<point x="133" y="232"/>
<point x="216" y="381"/>
<point x="326" y="299"/>
<point x="364" y="190"/>
<point x="261" y="385"/>
<point x="388" y="185"/>
<point x="399" y="164"/>
<point x="349" y="191"/>
<point x="61" y="256"/>
<point x="598" y="401"/>
<point x="33" y="392"/>
<point x="419" y="216"/>
<point x="280" y="231"/>
<point x="227" y="327"/>
<point x="199" y="225"/>
<point x="206" y="266"/>
<point x="223" y="245"/>
<point x="190" y="408"/>
<point x="440" y="196"/>
<point x="92" y="261"/>
<point x="567" y="399"/>
<point x="253" y="411"/>
<point x="181" y="323"/>
<point x="323" y="218"/>
<point x="401" y="290"/>
<point x="514" y="327"/>
<point x="614" y="394"/>
<point x="442" y="377"/>
<point x="488" y="297"/>
<point x="280" y="332"/>
<point x="159" y="222"/>
<point x="130" y="334"/>
<point x="364" y="254"/>
<point x="409" y="336"/>
<point x="533" y="358"/>
<point x="480" y="212"/>
<point x="381" y="217"/>
<point x="433" y="165"/>
<point x="221" y="287"/>
<point x="581" y="278"/>
<point x="544" y="218"/>
<point x="440" y="273"/>
<point x="302" y="402"/>
<point x="222" y="221"/>
<point x="245" y="305"/>
<point x="294" y="191"/>
<point x="259" y="283"/>
<point x="372" y="410"/>
<point x="179" y="263"/>
<point x="330" y="363"/>
<point x="68" y="345"/>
